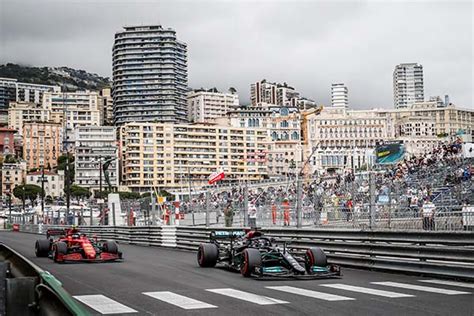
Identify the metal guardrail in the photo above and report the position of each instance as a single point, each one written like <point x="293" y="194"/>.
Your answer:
<point x="25" y="289"/>
<point x="442" y="254"/>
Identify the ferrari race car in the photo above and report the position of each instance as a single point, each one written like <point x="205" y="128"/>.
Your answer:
<point x="256" y="255"/>
<point x="63" y="245"/>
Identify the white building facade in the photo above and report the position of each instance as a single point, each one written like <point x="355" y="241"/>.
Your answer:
<point x="53" y="182"/>
<point x="96" y="145"/>
<point x="339" y="96"/>
<point x="408" y="86"/>
<point x="206" y="105"/>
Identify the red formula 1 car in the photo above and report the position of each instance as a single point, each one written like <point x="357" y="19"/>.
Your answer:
<point x="71" y="245"/>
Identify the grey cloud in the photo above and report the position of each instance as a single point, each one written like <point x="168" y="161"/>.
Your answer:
<point x="308" y="44"/>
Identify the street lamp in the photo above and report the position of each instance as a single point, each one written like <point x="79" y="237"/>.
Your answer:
<point x="101" y="162"/>
<point x="42" y="180"/>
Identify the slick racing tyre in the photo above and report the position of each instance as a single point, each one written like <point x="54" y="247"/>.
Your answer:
<point x="207" y="255"/>
<point x="42" y="247"/>
<point x="251" y="259"/>
<point x="110" y="246"/>
<point x="315" y="256"/>
<point x="59" y="248"/>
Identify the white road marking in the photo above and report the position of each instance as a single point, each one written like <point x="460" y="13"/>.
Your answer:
<point x="249" y="297"/>
<point x="310" y="293"/>
<point x="420" y="288"/>
<point x="367" y="290"/>
<point x="103" y="304"/>
<point x="452" y="283"/>
<point x="179" y="300"/>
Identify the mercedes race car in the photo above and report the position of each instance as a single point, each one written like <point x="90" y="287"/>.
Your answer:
<point x="63" y="245"/>
<point x="256" y="255"/>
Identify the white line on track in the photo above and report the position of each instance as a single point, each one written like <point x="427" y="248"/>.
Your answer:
<point x="179" y="300"/>
<point x="452" y="283"/>
<point x="249" y="297"/>
<point x="103" y="304"/>
<point x="420" y="288"/>
<point x="366" y="290"/>
<point x="310" y="293"/>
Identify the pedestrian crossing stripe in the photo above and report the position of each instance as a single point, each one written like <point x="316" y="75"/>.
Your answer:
<point x="103" y="304"/>
<point x="367" y="290"/>
<point x="310" y="293"/>
<point x="246" y="296"/>
<point x="179" y="300"/>
<point x="451" y="283"/>
<point x="420" y="288"/>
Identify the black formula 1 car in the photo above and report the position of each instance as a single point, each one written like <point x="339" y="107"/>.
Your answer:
<point x="256" y="255"/>
<point x="63" y="245"/>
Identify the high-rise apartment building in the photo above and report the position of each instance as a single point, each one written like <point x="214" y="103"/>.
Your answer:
<point x="206" y="105"/>
<point x="175" y="156"/>
<point x="42" y="144"/>
<point x="95" y="145"/>
<point x="408" y="86"/>
<point x="269" y="93"/>
<point x="12" y="90"/>
<point x="339" y="96"/>
<point x="150" y="75"/>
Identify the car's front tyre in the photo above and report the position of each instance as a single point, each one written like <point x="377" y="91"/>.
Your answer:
<point x="251" y="260"/>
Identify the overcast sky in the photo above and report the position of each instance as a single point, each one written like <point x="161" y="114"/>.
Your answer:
<point x="308" y="44"/>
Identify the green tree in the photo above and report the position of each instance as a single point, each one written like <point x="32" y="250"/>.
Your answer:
<point x="129" y="195"/>
<point x="79" y="192"/>
<point x="27" y="191"/>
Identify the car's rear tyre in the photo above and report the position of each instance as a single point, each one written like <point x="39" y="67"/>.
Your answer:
<point x="42" y="247"/>
<point x="110" y="246"/>
<point x="315" y="256"/>
<point x="207" y="255"/>
<point x="59" y="248"/>
<point x="251" y="259"/>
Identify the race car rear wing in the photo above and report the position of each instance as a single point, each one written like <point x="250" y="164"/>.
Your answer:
<point x="227" y="234"/>
<point x="55" y="232"/>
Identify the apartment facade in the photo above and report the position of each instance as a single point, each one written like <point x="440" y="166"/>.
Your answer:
<point x="176" y="155"/>
<point x="150" y="75"/>
<point x="11" y="90"/>
<point x="344" y="140"/>
<point x="20" y="112"/>
<point x="270" y="93"/>
<point x="53" y="182"/>
<point x="408" y="85"/>
<point x="106" y="106"/>
<point x="204" y="106"/>
<point x="42" y="144"/>
<point x="95" y="145"/>
<point x="13" y="174"/>
<point x="339" y="96"/>
<point x="7" y="141"/>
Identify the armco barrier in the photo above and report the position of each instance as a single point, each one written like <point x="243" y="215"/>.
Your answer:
<point x="443" y="254"/>
<point x="25" y="289"/>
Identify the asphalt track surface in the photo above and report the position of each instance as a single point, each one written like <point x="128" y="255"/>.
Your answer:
<point x="174" y="275"/>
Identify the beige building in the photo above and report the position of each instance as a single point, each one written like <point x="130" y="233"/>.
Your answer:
<point x="42" y="144"/>
<point x="448" y="120"/>
<point x="206" y="105"/>
<point x="81" y="107"/>
<point x="13" y="174"/>
<point x="53" y="184"/>
<point x="20" y="112"/>
<point x="106" y="107"/>
<point x="173" y="156"/>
